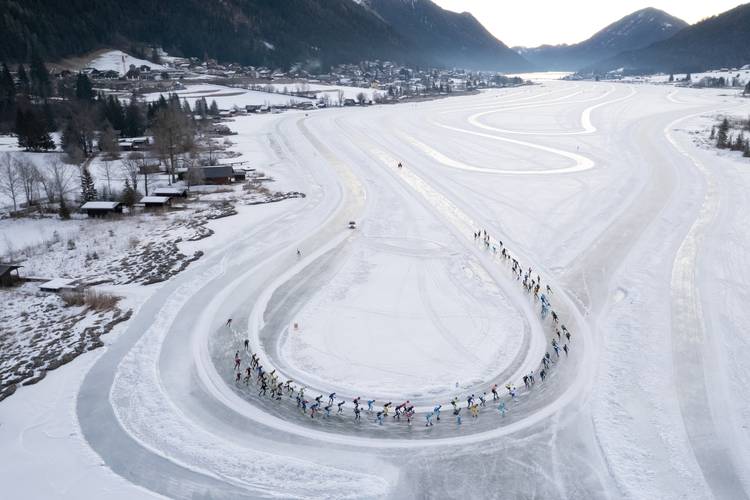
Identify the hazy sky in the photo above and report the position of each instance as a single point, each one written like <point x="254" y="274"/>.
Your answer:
<point x="534" y="22"/>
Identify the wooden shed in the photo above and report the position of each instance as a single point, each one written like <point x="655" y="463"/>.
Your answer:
<point x="219" y="174"/>
<point x="156" y="202"/>
<point x="102" y="208"/>
<point x="9" y="274"/>
<point x="171" y="192"/>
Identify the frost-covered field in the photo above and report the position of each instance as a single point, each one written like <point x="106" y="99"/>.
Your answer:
<point x="605" y="190"/>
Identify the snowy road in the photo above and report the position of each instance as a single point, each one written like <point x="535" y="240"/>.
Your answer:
<point x="597" y="187"/>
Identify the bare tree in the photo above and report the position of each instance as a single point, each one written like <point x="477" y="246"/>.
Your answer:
<point x="10" y="180"/>
<point x="173" y="135"/>
<point x="340" y="94"/>
<point x="108" y="171"/>
<point x="30" y="179"/>
<point x="148" y="169"/>
<point x="57" y="182"/>
<point x="131" y="167"/>
<point x="195" y="175"/>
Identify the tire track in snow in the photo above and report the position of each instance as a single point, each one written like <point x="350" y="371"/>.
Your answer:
<point x="690" y="343"/>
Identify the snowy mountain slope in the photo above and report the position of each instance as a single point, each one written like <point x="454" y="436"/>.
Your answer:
<point x="633" y="31"/>
<point x="257" y="32"/>
<point x="721" y="41"/>
<point x="456" y="39"/>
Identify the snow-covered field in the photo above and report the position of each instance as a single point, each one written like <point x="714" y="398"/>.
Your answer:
<point x="227" y="97"/>
<point x="604" y="190"/>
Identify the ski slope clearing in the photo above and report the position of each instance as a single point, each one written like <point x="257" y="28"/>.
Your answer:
<point x="117" y="60"/>
<point x="603" y="190"/>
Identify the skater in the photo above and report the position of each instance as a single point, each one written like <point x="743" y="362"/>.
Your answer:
<point x="313" y="409"/>
<point x="454" y="403"/>
<point x="380" y="417"/>
<point x="495" y="395"/>
<point x="229" y="323"/>
<point x="554" y="317"/>
<point x="237" y="361"/>
<point x="542" y="374"/>
<point x="400" y="165"/>
<point x="355" y="401"/>
<point x="357" y="411"/>
<point x="341" y="407"/>
<point x="474" y="409"/>
<point x="482" y="399"/>
<point x="458" y="417"/>
<point x="237" y="380"/>
<point x="565" y="348"/>
<point x="501" y="408"/>
<point x="328" y="411"/>
<point x="331" y="397"/>
<point x="263" y="388"/>
<point x="428" y="419"/>
<point x="299" y="254"/>
<point x="436" y="411"/>
<point x="370" y="402"/>
<point x="247" y="345"/>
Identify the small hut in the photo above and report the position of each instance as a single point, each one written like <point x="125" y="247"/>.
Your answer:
<point x="102" y="208"/>
<point x="171" y="192"/>
<point x="156" y="202"/>
<point x="9" y="274"/>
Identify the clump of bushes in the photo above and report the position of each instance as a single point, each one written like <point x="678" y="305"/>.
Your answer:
<point x="99" y="301"/>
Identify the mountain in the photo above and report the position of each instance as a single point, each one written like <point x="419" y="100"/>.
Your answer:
<point x="634" y="31"/>
<point x="454" y="39"/>
<point x="717" y="42"/>
<point x="259" y="32"/>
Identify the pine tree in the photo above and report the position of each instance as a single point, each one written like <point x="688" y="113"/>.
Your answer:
<point x="84" y="89"/>
<point x="32" y="131"/>
<point x="671" y="78"/>
<point x="128" y="197"/>
<point x="746" y="152"/>
<point x="713" y="133"/>
<point x="64" y="212"/>
<point x="134" y="124"/>
<point x="24" y="87"/>
<point x="41" y="84"/>
<point x="739" y="142"/>
<point x="747" y="89"/>
<point x="721" y="136"/>
<point x="186" y="107"/>
<point x="214" y="109"/>
<point x="88" y="188"/>
<point x="7" y="85"/>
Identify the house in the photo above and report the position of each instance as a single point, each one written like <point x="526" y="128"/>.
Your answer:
<point x="218" y="174"/>
<point x="7" y="278"/>
<point x="171" y="192"/>
<point x="350" y="102"/>
<point x="239" y="174"/>
<point x="133" y="143"/>
<point x="156" y="202"/>
<point x="58" y="285"/>
<point x="101" y="208"/>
